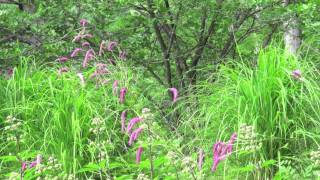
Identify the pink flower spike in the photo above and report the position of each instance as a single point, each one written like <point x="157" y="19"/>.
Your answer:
<point x="138" y="155"/>
<point x="62" y="59"/>
<point x="89" y="55"/>
<point x="132" y="122"/>
<point x="101" y="50"/>
<point x="123" y="120"/>
<point x="84" y="44"/>
<point x="23" y="166"/>
<point x="63" y="70"/>
<point x="122" y="97"/>
<point x="296" y="74"/>
<point x="115" y="87"/>
<point x="10" y="72"/>
<point x="221" y="151"/>
<point x="111" y="61"/>
<point x="77" y="38"/>
<point x="83" y="22"/>
<point x="32" y="164"/>
<point x="87" y="36"/>
<point x="75" y="52"/>
<point x="131" y="139"/>
<point x="136" y="133"/>
<point x="122" y="55"/>
<point x="101" y="69"/>
<point x="174" y="94"/>
<point x="200" y="159"/>
<point x="39" y="158"/>
<point x="82" y="81"/>
<point x="111" y="45"/>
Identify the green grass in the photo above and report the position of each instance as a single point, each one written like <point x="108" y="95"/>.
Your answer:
<point x="57" y="112"/>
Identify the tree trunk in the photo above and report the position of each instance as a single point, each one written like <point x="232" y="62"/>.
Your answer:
<point x="292" y="32"/>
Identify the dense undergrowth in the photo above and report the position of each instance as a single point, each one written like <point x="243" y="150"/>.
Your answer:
<point x="76" y="127"/>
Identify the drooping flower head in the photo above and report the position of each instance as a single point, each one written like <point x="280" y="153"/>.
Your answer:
<point x="134" y="135"/>
<point x="296" y="74"/>
<point x="39" y="158"/>
<point x="102" y="47"/>
<point x="174" y="94"/>
<point x="84" y="44"/>
<point x="123" y="120"/>
<point x="115" y="87"/>
<point x="77" y="38"/>
<point x="138" y="155"/>
<point x="83" y="22"/>
<point x="111" y="45"/>
<point x="75" y="52"/>
<point x="87" y="36"/>
<point x="101" y="69"/>
<point x="221" y="150"/>
<point x="122" y="97"/>
<point x="200" y="159"/>
<point x="62" y="59"/>
<point x="63" y="70"/>
<point x="131" y="123"/>
<point x="111" y="61"/>
<point x="23" y="166"/>
<point x="10" y="72"/>
<point x="89" y="55"/>
<point x="36" y="162"/>
<point x="122" y="55"/>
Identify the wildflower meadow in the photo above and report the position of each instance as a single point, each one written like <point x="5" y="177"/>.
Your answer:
<point x="159" y="89"/>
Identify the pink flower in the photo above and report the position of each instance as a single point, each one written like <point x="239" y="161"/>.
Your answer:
<point x="122" y="97"/>
<point x="123" y="120"/>
<point x="134" y="135"/>
<point x="10" y="72"/>
<point x="62" y="59"/>
<point x="296" y="74"/>
<point x="101" y="69"/>
<point x="221" y="150"/>
<point x="138" y="155"/>
<point x="39" y="158"/>
<point x="77" y="38"/>
<point x="101" y="50"/>
<point x="87" y="36"/>
<point x="200" y="158"/>
<point x="80" y="75"/>
<point x="88" y="57"/>
<point x="63" y="70"/>
<point x="23" y="166"/>
<point x="131" y="123"/>
<point x="83" y="22"/>
<point x="122" y="55"/>
<point x="111" y="61"/>
<point x="174" y="94"/>
<point x="111" y="45"/>
<point x="36" y="162"/>
<point x="84" y="44"/>
<point x="75" y="52"/>
<point x="115" y="87"/>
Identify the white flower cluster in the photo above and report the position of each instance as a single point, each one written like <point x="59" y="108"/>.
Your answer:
<point x="146" y="114"/>
<point x="12" y="128"/>
<point x="53" y="164"/>
<point x="143" y="177"/>
<point x="315" y="157"/>
<point x="188" y="165"/>
<point x="96" y="144"/>
<point x="97" y="126"/>
<point x="248" y="138"/>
